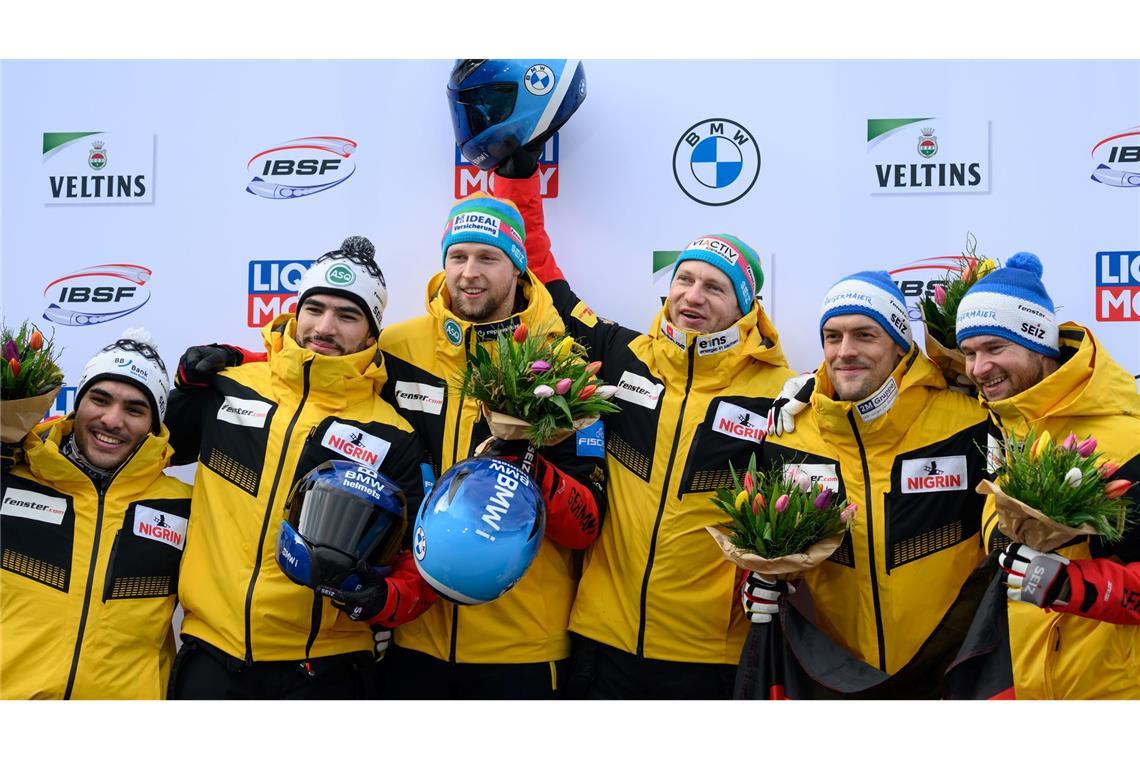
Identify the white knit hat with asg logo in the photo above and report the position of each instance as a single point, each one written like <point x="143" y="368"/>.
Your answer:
<point x="350" y="272"/>
<point x="132" y="359"/>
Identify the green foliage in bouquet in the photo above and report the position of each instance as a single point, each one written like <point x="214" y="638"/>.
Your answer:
<point x="30" y="365"/>
<point x="541" y="379"/>
<point x="775" y="514"/>
<point x="940" y="308"/>
<point x="1070" y="482"/>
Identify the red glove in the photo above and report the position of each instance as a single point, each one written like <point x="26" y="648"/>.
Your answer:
<point x="525" y="194"/>
<point x="409" y="595"/>
<point x="1102" y="589"/>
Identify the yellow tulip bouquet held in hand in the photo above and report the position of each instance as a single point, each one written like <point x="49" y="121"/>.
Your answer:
<point x="1048" y="493"/>
<point x="781" y="522"/>
<point x="539" y="387"/>
<point x="30" y="378"/>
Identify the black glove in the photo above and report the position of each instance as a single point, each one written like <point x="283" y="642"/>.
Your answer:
<point x="363" y="595"/>
<point x="522" y="163"/>
<point x="199" y="363"/>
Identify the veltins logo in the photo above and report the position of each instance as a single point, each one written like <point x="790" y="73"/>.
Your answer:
<point x="273" y="289"/>
<point x="716" y="162"/>
<point x="1118" y="286"/>
<point x="918" y="278"/>
<point x="301" y="167"/>
<point x="453" y="331"/>
<point x="340" y="276"/>
<point x="79" y="168"/>
<point x="1118" y="159"/>
<point x="469" y="178"/>
<point x="928" y="155"/>
<point x="97" y="294"/>
<point x="664" y="262"/>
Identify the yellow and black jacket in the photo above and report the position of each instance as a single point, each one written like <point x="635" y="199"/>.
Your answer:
<point x="912" y="470"/>
<point x="427" y="359"/>
<point x="1059" y="655"/>
<point x="88" y="580"/>
<point x="255" y="430"/>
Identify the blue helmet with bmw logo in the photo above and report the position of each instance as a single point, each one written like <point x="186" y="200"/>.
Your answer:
<point x="338" y="515"/>
<point x="478" y="530"/>
<point x="500" y="105"/>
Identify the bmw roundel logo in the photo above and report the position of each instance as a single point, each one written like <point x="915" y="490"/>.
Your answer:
<point x="716" y="162"/>
<point x="539" y="79"/>
<point x="419" y="545"/>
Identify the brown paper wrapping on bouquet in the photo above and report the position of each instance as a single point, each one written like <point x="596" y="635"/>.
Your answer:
<point x="784" y="568"/>
<point x="1026" y="525"/>
<point x="510" y="428"/>
<point x="951" y="361"/>
<point x="19" y="416"/>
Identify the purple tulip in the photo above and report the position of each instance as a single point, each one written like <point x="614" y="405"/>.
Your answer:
<point x="1070" y="442"/>
<point x="1087" y="447"/>
<point x="10" y="351"/>
<point x="781" y="502"/>
<point x="539" y="367"/>
<point x="562" y="387"/>
<point x="823" y="500"/>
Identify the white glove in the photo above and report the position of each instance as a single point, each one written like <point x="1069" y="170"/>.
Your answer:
<point x="793" y="399"/>
<point x="760" y="597"/>
<point x="382" y="639"/>
<point x="1032" y="576"/>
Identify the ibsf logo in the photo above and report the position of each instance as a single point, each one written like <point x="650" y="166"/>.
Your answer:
<point x="918" y="278"/>
<point x="1118" y="159"/>
<point x="469" y="178"/>
<point x="1118" y="286"/>
<point x="97" y="294"/>
<point x="273" y="289"/>
<point x="716" y="162"/>
<point x="301" y="167"/>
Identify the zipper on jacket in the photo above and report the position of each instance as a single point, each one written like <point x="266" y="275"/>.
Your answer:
<point x="454" y="632"/>
<point x="661" y="506"/>
<point x="870" y="543"/>
<point x="269" y="513"/>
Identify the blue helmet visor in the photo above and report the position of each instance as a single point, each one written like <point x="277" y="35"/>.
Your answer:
<point x="475" y="109"/>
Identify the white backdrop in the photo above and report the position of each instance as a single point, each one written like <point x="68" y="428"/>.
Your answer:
<point x="835" y="188"/>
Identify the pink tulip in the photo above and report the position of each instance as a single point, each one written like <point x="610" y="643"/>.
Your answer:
<point x="939" y="295"/>
<point x="749" y="486"/>
<point x="1108" y="469"/>
<point x="782" y="502"/>
<point x="562" y="387"/>
<point x="593" y="367"/>
<point x="1087" y="447"/>
<point x="539" y="367"/>
<point x="848" y="513"/>
<point x="798" y="478"/>
<point x="1071" y="442"/>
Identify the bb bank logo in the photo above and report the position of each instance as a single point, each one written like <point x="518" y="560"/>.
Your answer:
<point x="301" y="167"/>
<point x="97" y="294"/>
<point x="273" y="289"/>
<point x="1118" y="159"/>
<point x="470" y="178"/>
<point x="716" y="162"/>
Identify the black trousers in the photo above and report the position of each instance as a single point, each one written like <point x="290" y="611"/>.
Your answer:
<point x="409" y="674"/>
<point x="598" y="671"/>
<point x="202" y="671"/>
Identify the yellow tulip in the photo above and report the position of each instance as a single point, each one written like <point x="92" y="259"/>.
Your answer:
<point x="985" y="266"/>
<point x="1040" y="444"/>
<point x="563" y="348"/>
<point x="741" y="499"/>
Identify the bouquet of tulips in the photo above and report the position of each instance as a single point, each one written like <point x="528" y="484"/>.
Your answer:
<point x="781" y="523"/>
<point x="30" y="378"/>
<point x="1070" y="486"/>
<point x="940" y="311"/>
<point x="539" y="387"/>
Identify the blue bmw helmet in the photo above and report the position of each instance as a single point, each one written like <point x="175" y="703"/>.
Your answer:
<point x="499" y="105"/>
<point x="478" y="530"/>
<point x="339" y="514"/>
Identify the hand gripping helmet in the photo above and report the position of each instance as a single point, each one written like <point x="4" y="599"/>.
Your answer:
<point x="339" y="514"/>
<point x="499" y="105"/>
<point x="478" y="530"/>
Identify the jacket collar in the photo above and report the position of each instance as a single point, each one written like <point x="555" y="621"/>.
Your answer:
<point x="49" y="465"/>
<point x="342" y="381"/>
<point x="719" y="355"/>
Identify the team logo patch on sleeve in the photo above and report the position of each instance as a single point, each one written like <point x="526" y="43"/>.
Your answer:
<point x="738" y="422"/>
<point x="160" y="526"/>
<point x="419" y="397"/>
<point x="639" y="390"/>
<point x="34" y="506"/>
<point x="929" y="475"/>
<point x="244" y="411"/>
<point x="355" y="444"/>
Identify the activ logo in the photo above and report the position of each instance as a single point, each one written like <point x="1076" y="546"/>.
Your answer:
<point x="301" y="167"/>
<point x="665" y="261"/>
<point x="273" y="289"/>
<point x="1118" y="159"/>
<point x="927" y="155"/>
<point x="918" y="278"/>
<point x="470" y="178"/>
<point x="716" y="162"/>
<point x="97" y="294"/>
<point x="1118" y="286"/>
<point x="98" y="168"/>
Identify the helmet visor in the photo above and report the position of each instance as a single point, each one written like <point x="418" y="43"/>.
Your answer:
<point x="475" y="109"/>
<point x="330" y="517"/>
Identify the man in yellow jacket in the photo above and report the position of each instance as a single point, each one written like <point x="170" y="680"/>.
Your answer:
<point x="1038" y="376"/>
<point x="255" y="430"/>
<point x="91" y="536"/>
<point x="883" y="431"/>
<point x="655" y="614"/>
